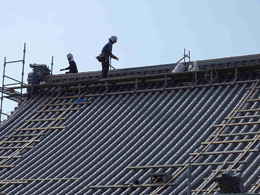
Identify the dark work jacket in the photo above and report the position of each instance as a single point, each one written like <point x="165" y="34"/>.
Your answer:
<point x="107" y="50"/>
<point x="72" y="67"/>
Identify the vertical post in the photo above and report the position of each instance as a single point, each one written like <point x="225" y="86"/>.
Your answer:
<point x="189" y="57"/>
<point x="136" y="84"/>
<point x="22" y="83"/>
<point x="165" y="81"/>
<point x="211" y="76"/>
<point x="52" y="62"/>
<point x="236" y="74"/>
<point x="184" y="56"/>
<point x="110" y="65"/>
<point x="2" y="92"/>
<point x="189" y="63"/>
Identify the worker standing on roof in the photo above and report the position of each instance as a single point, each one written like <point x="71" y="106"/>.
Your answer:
<point x="72" y="65"/>
<point x="106" y="54"/>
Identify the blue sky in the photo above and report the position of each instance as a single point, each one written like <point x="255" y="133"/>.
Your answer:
<point x="150" y="32"/>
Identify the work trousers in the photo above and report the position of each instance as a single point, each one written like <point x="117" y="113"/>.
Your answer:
<point x="105" y="68"/>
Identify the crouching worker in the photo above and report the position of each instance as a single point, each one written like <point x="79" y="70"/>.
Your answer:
<point x="72" y="65"/>
<point x="105" y="56"/>
<point x="33" y="80"/>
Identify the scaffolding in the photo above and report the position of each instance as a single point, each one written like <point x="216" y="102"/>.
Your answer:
<point x="184" y="63"/>
<point x="186" y="56"/>
<point x="9" y="93"/>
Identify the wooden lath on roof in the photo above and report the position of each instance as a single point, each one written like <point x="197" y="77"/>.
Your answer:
<point x="214" y="139"/>
<point x="29" y="180"/>
<point x="248" y="147"/>
<point x="32" y="132"/>
<point x="217" y="138"/>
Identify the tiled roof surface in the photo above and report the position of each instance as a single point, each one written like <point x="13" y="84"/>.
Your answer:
<point x="105" y="134"/>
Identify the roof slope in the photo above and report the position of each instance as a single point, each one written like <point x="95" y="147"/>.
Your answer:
<point x="92" y="141"/>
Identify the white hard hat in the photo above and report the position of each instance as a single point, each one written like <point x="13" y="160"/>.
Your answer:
<point x="113" y="39"/>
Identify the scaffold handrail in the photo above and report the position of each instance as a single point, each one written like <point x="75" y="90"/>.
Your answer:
<point x="20" y="83"/>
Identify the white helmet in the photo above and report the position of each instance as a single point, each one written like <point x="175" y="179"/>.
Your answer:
<point x="113" y="39"/>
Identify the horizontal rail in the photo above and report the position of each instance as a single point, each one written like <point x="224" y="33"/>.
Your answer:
<point x="128" y="186"/>
<point x="257" y="185"/>
<point x="224" y="152"/>
<point x="71" y="83"/>
<point x="253" y="100"/>
<point x="4" y="114"/>
<point x="21" y="141"/>
<point x="67" y="104"/>
<point x="69" y="97"/>
<point x="44" y="120"/>
<point x="13" y="182"/>
<point x="59" y="110"/>
<point x="237" y="124"/>
<point x="9" y="157"/>
<point x="26" y="135"/>
<point x="39" y="128"/>
<point x="249" y="110"/>
<point x="180" y="165"/>
<point x="242" y="117"/>
<point x="228" y="141"/>
<point x="24" y="181"/>
<point x="11" y="84"/>
<point x="15" y="61"/>
<point x="236" y="134"/>
<point x="203" y="190"/>
<point x="7" y="166"/>
<point x="156" y="166"/>
<point x="50" y="179"/>
<point x="225" y="170"/>
<point x="18" y="82"/>
<point x="15" y="147"/>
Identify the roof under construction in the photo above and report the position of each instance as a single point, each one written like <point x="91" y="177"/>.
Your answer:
<point x="82" y="134"/>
